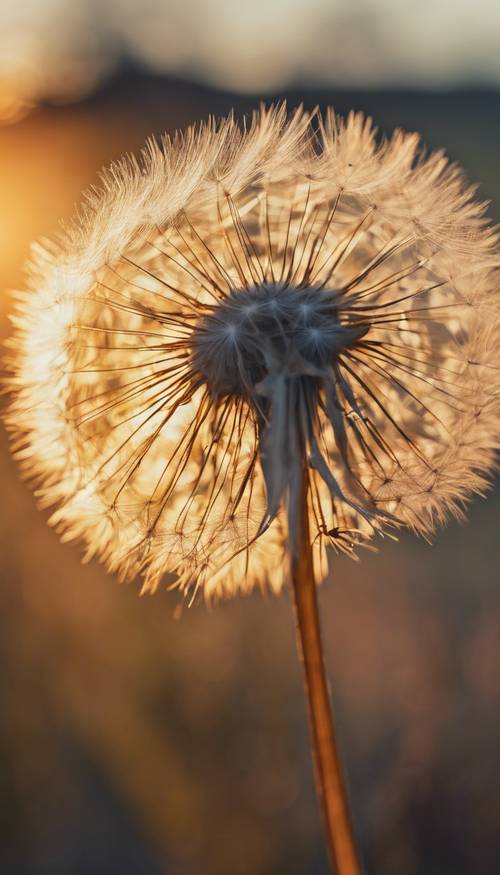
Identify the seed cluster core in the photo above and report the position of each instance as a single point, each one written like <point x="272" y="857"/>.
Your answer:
<point x="268" y="329"/>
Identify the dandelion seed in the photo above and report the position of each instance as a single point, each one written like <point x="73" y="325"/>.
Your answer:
<point x="258" y="337"/>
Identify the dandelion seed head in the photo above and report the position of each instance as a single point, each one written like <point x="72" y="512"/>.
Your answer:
<point x="244" y="302"/>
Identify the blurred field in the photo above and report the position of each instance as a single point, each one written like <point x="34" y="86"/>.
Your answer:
<point x="132" y="742"/>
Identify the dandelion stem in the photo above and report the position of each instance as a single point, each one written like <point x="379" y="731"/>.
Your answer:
<point x="329" y="780"/>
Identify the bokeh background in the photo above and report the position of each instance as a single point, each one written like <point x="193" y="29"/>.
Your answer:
<point x="142" y="737"/>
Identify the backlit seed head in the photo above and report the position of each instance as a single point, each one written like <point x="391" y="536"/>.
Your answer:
<point x="242" y="303"/>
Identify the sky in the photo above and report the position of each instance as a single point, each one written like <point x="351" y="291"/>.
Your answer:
<point x="59" y="49"/>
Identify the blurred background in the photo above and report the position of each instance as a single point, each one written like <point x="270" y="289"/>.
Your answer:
<point x="141" y="737"/>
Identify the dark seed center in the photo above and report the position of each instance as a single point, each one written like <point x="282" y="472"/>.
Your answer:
<point x="266" y="329"/>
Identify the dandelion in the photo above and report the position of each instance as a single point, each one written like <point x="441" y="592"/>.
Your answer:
<point x="257" y="347"/>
